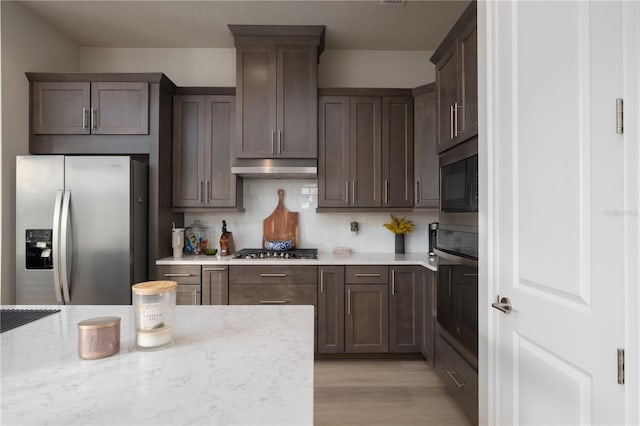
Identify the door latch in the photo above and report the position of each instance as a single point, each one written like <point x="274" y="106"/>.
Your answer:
<point x="503" y="304"/>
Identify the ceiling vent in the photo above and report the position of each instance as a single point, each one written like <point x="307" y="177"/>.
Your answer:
<point x="392" y="2"/>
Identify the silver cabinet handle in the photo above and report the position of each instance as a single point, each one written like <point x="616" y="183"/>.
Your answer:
<point x="417" y="192"/>
<point x="386" y="191"/>
<point x="273" y="142"/>
<point x="93" y="118"/>
<point x="455" y="120"/>
<point x="272" y="302"/>
<point x="451" y="121"/>
<point x="179" y="275"/>
<point x="458" y="384"/>
<point x="469" y="275"/>
<point x="353" y="192"/>
<point x="200" y="193"/>
<point x="195" y="297"/>
<point x="279" y="141"/>
<point x="346" y="191"/>
<point x="503" y="305"/>
<point x="273" y="275"/>
<point x="362" y="274"/>
<point x="207" y="192"/>
<point x="210" y="270"/>
<point x="84" y="118"/>
<point x="348" y="302"/>
<point x="321" y="281"/>
<point x="393" y="282"/>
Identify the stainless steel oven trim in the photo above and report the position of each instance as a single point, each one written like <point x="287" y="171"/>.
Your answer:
<point x="460" y="259"/>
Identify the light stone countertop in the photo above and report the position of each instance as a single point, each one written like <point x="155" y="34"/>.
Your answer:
<point x="324" y="258"/>
<point x="228" y="365"/>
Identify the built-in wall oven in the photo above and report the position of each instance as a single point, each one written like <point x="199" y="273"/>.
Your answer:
<point x="457" y="246"/>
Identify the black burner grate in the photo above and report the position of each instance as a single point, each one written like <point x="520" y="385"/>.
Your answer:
<point x="12" y="318"/>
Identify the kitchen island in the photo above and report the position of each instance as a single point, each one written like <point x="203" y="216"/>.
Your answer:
<point x="228" y="365"/>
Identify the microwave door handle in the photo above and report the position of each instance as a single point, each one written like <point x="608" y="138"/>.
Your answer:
<point x="66" y="247"/>
<point x="56" y="246"/>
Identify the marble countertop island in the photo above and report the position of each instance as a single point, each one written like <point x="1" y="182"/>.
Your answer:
<point x="228" y="365"/>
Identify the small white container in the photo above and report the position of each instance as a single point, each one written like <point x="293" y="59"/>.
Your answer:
<point x="154" y="306"/>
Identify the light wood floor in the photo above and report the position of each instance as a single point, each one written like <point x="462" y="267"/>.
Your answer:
<point x="381" y="392"/>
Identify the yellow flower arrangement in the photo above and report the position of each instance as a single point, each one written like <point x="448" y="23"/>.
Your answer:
<point x="399" y="226"/>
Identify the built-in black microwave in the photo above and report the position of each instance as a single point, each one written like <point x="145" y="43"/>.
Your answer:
<point x="459" y="179"/>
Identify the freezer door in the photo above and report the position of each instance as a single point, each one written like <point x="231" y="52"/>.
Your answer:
<point x="100" y="251"/>
<point x="39" y="179"/>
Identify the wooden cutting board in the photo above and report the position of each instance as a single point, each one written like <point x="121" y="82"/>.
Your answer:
<point x="282" y="224"/>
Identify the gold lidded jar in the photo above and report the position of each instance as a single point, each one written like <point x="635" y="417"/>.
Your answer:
<point x="154" y="305"/>
<point x="98" y="337"/>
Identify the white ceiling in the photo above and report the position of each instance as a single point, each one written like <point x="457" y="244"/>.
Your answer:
<point x="418" y="25"/>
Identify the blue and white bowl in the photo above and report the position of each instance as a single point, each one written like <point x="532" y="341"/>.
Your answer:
<point x="279" y="245"/>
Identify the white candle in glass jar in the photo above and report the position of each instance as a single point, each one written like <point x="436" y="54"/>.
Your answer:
<point x="155" y="337"/>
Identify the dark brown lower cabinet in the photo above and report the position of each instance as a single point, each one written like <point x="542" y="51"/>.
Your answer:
<point x="188" y="279"/>
<point x="460" y="378"/>
<point x="215" y="285"/>
<point x="405" y="308"/>
<point x="428" y="314"/>
<point x="367" y="318"/>
<point x="188" y="294"/>
<point x="330" y="309"/>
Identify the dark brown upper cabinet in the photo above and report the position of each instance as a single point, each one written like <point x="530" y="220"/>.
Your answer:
<point x="426" y="168"/>
<point x="202" y="136"/>
<point x="456" y="61"/>
<point x="365" y="149"/>
<point x="276" y="89"/>
<point x="82" y="108"/>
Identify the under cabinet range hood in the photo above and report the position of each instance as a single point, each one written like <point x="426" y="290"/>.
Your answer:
<point x="278" y="168"/>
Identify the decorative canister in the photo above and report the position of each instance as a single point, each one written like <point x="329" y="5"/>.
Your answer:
<point x="196" y="238"/>
<point x="154" y="310"/>
<point x="98" y="337"/>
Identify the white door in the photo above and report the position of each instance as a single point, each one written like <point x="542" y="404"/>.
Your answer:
<point x="555" y="235"/>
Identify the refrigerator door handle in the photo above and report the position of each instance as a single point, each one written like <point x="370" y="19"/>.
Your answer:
<point x="65" y="247"/>
<point x="56" y="246"/>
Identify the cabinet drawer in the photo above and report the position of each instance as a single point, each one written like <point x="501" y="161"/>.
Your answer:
<point x="460" y="378"/>
<point x="366" y="274"/>
<point x="182" y="274"/>
<point x="273" y="275"/>
<point x="272" y="294"/>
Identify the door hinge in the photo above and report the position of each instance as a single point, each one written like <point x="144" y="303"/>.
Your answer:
<point x="621" y="366"/>
<point x="619" y="116"/>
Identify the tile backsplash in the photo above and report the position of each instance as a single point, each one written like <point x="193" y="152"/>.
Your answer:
<point x="324" y="231"/>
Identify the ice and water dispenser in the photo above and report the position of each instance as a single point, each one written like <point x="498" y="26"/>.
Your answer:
<point x="38" y="249"/>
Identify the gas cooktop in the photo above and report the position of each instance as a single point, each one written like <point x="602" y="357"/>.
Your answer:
<point x="268" y="254"/>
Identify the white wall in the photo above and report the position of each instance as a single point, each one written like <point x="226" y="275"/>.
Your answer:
<point x="324" y="231"/>
<point x="28" y="44"/>
<point x="216" y="67"/>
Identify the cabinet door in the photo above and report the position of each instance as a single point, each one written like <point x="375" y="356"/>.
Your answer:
<point x="120" y="108"/>
<point x="297" y="93"/>
<point x="428" y="314"/>
<point x="467" y="117"/>
<point x="188" y="294"/>
<point x="367" y="319"/>
<point x="405" y="309"/>
<point x="220" y="185"/>
<point x="397" y="152"/>
<point x="331" y="309"/>
<point x="447" y="92"/>
<point x="333" y="161"/>
<point x="215" y="285"/>
<point x="365" y="152"/>
<point x="426" y="168"/>
<point x="256" y="102"/>
<point x="188" y="151"/>
<point x="60" y="108"/>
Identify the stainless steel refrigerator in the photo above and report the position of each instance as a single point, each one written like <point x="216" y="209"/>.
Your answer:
<point x="81" y="229"/>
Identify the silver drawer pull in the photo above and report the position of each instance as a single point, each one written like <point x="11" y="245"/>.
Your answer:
<point x="272" y="302"/>
<point x="458" y="384"/>
<point x="179" y="275"/>
<point x="273" y="275"/>
<point x="213" y="269"/>
<point x="367" y="275"/>
<point x="469" y="275"/>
